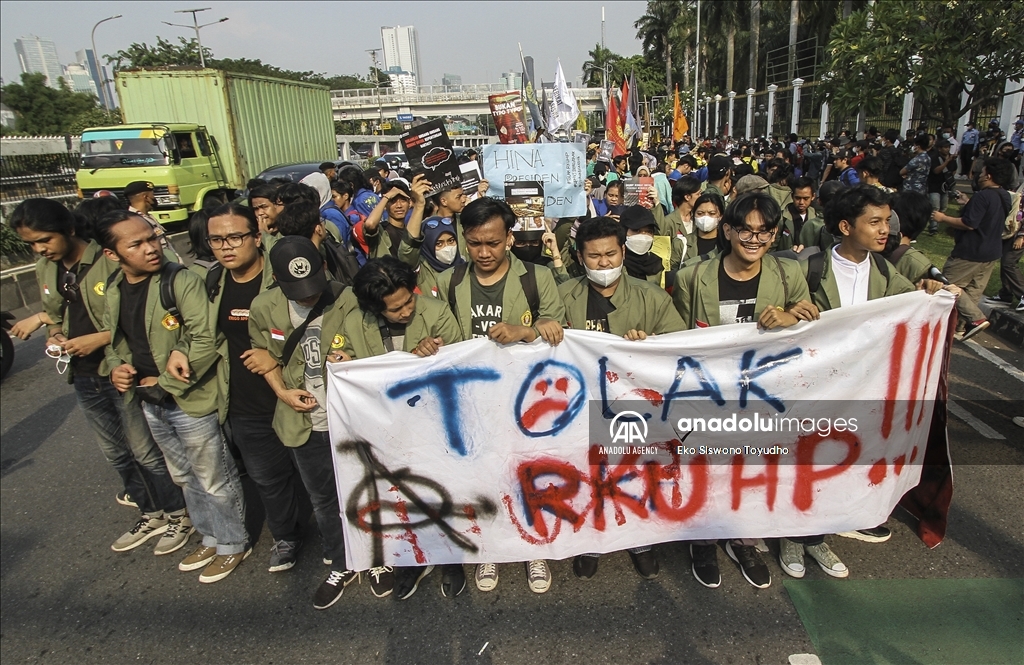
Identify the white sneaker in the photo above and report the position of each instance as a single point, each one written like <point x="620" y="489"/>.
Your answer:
<point x="828" y="560"/>
<point x="145" y="528"/>
<point x="791" y="558"/>
<point x="538" y="575"/>
<point x="486" y="576"/>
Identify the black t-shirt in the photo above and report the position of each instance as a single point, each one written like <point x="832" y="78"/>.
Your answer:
<point x="598" y="309"/>
<point x="486" y="304"/>
<point x="395" y="233"/>
<point x="77" y="316"/>
<point x="936" y="182"/>
<point x="250" y="394"/>
<point x="985" y="213"/>
<point x="393" y="335"/>
<point x="736" y="299"/>
<point x="132" y="322"/>
<point x="705" y="245"/>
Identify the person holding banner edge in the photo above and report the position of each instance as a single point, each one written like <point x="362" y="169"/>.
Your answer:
<point x="500" y="297"/>
<point x="739" y="286"/>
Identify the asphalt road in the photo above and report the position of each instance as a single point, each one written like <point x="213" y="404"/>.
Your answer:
<point x="65" y="597"/>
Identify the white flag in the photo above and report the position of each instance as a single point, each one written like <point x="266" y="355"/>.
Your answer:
<point x="564" y="109"/>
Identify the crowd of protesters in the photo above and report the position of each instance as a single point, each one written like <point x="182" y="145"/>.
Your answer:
<point x="193" y="378"/>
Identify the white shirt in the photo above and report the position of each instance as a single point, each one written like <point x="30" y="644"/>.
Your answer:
<point x="851" y="279"/>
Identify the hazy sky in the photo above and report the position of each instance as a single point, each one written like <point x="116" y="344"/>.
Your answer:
<point x="476" y="40"/>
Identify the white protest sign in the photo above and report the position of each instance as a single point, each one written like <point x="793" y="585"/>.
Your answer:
<point x="561" y="167"/>
<point x="486" y="453"/>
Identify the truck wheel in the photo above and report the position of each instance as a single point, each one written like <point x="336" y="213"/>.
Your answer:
<point x="214" y="199"/>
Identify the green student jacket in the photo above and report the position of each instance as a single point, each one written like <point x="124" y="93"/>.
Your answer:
<point x="639" y="305"/>
<point x="92" y="290"/>
<point x="195" y="338"/>
<point x="362" y="338"/>
<point x="269" y="327"/>
<point x="914" y="265"/>
<point x="515" y="309"/>
<point x="827" y="295"/>
<point x="696" y="293"/>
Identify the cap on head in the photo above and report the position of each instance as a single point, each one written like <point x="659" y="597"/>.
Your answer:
<point x="750" y="183"/>
<point x="136" y="188"/>
<point x="637" y="217"/>
<point x="718" y="166"/>
<point x="298" y="267"/>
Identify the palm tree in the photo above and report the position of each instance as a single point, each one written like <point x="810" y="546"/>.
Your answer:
<point x="658" y="28"/>
<point x="755" y="35"/>
<point x="601" y="61"/>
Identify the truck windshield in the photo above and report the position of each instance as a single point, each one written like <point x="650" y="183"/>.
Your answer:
<point x="108" y="153"/>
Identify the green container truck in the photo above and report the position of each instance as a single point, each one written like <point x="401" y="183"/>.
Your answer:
<point x="200" y="134"/>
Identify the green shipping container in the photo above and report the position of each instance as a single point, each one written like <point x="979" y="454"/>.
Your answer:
<point x="257" y="122"/>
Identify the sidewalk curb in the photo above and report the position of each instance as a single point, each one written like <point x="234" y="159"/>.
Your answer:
<point x="1005" y="322"/>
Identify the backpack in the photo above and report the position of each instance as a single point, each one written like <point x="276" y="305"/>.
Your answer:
<point x="167" y="298"/>
<point x="341" y="260"/>
<point x="816" y="269"/>
<point x="528" y="280"/>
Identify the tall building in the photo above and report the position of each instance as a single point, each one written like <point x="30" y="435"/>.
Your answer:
<point x="98" y="73"/>
<point x="401" y="49"/>
<point x="39" y="56"/>
<point x="402" y="81"/>
<point x="451" y="80"/>
<point x="511" y="80"/>
<point x="77" y="76"/>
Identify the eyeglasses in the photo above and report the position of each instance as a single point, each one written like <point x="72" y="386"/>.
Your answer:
<point x="434" y="223"/>
<point x="231" y="241"/>
<point x="69" y="287"/>
<point x="62" y="357"/>
<point x="746" y="235"/>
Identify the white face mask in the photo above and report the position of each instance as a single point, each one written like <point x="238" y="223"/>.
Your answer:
<point x="604" y="277"/>
<point x="706" y="223"/>
<point x="946" y="135"/>
<point x="641" y="243"/>
<point x="446" y="254"/>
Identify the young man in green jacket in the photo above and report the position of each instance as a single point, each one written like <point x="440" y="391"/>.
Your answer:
<point x="72" y="276"/>
<point x="499" y="297"/>
<point x="168" y="360"/>
<point x="299" y="323"/>
<point x="606" y="300"/>
<point x="393" y="317"/>
<point x="242" y="273"/>
<point x="742" y="285"/>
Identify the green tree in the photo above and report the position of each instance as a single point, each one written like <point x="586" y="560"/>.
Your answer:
<point x="594" y="69"/>
<point x="42" y="110"/>
<point x="97" y="116"/>
<point x="662" y="25"/>
<point x="934" y="49"/>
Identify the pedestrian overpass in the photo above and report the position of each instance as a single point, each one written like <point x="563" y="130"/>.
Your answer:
<point x="431" y="101"/>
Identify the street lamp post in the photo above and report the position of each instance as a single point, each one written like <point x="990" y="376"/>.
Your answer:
<point x="750" y="113"/>
<point x="195" y="26"/>
<point x="99" y="67"/>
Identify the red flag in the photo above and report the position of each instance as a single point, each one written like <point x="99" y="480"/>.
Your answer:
<point x="613" y="125"/>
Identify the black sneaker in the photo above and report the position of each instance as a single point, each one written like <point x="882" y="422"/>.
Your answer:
<point x="585" y="567"/>
<point x="382" y="580"/>
<point x="408" y="579"/>
<point x="998" y="301"/>
<point x="645" y="564"/>
<point x="453" y="580"/>
<point x="751" y="564"/>
<point x="332" y="588"/>
<point x="879" y="534"/>
<point x="972" y="329"/>
<point x="705" y="565"/>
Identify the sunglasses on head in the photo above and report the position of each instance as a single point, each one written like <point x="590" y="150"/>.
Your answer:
<point x="434" y="223"/>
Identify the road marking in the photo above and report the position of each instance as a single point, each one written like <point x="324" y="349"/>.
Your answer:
<point x="995" y="360"/>
<point x="980" y="427"/>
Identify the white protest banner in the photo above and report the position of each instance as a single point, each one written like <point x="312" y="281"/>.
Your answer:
<point x="486" y="453"/>
<point x="560" y="166"/>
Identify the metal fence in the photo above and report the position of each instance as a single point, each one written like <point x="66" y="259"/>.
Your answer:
<point x="25" y="176"/>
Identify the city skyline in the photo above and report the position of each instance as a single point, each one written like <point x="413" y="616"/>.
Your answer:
<point x="312" y="36"/>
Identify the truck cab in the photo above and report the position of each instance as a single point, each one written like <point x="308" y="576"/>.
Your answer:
<point x="179" y="159"/>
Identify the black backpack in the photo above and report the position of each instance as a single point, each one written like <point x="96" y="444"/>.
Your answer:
<point x="341" y="260"/>
<point x="167" y="298"/>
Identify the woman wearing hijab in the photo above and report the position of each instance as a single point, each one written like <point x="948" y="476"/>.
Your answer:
<point x="319" y="182"/>
<point x="640" y="261"/>
<point x="435" y="251"/>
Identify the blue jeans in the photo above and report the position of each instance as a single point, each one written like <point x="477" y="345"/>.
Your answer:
<point x="128" y="445"/>
<point x="316" y="466"/>
<point x="198" y="459"/>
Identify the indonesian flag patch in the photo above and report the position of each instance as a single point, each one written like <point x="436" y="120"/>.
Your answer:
<point x="277" y="334"/>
